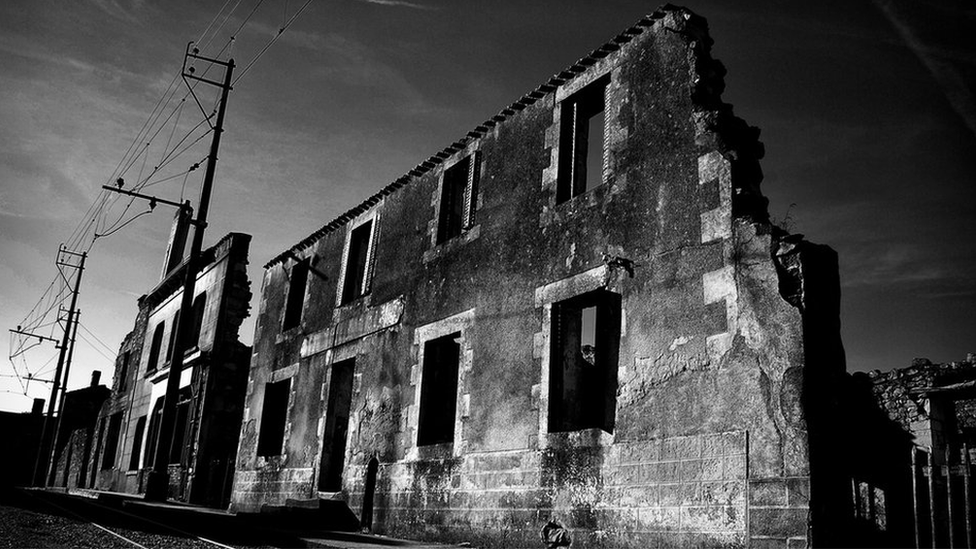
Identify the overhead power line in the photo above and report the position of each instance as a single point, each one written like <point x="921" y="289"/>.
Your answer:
<point x="169" y="136"/>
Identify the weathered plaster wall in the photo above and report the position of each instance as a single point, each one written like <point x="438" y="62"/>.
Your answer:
<point x="710" y="443"/>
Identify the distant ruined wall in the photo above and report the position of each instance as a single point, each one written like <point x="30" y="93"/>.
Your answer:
<point x="719" y="331"/>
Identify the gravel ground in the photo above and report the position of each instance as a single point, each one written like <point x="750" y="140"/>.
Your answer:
<point x="42" y="520"/>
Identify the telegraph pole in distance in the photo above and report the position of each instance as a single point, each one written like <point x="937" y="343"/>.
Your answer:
<point x="157" y="484"/>
<point x="51" y="465"/>
<point x="42" y="463"/>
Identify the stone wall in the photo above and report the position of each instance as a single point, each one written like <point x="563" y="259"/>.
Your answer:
<point x="637" y="494"/>
<point x="897" y="390"/>
<point x="724" y="330"/>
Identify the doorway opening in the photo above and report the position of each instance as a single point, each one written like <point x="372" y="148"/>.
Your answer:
<point x="336" y="426"/>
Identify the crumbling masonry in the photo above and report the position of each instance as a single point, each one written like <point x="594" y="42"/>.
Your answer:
<point x="212" y="382"/>
<point x="578" y="312"/>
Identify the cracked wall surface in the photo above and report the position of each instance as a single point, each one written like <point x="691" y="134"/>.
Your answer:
<point x="727" y="325"/>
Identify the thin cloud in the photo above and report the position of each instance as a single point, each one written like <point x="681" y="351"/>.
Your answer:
<point x="400" y="3"/>
<point x="125" y="13"/>
<point x="953" y="84"/>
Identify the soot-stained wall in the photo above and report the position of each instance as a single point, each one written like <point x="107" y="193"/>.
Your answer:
<point x="698" y="328"/>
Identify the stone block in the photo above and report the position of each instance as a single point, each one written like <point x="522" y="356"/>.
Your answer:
<point x="657" y="519"/>
<point x="734" y="442"/>
<point x="734" y="467"/>
<point x="712" y="518"/>
<point x="648" y="473"/>
<point x="669" y="471"/>
<point x="691" y="493"/>
<point x="691" y="470"/>
<point x="712" y="445"/>
<point x="712" y="469"/>
<point x="767" y="543"/>
<point x="796" y="543"/>
<point x="767" y="492"/>
<point x="646" y="496"/>
<point x="778" y="522"/>
<point x="798" y="492"/>
<point x="724" y="492"/>
<point x="628" y="474"/>
<point x="670" y="494"/>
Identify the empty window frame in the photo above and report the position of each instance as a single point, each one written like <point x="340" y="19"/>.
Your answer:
<point x="274" y="414"/>
<point x="179" y="430"/>
<point x="157" y="343"/>
<point x="438" y="390"/>
<point x="172" y="336"/>
<point x="124" y="371"/>
<point x="581" y="141"/>
<point x="199" y="307"/>
<point x="298" y="279"/>
<point x="152" y="436"/>
<point x="112" y="440"/>
<point x="585" y="344"/>
<point x="137" y="443"/>
<point x="355" y="282"/>
<point x="458" y="193"/>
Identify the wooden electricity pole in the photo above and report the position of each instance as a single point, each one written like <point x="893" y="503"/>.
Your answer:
<point x="48" y="441"/>
<point x="157" y="485"/>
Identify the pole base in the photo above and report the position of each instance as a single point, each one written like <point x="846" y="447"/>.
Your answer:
<point x="157" y="486"/>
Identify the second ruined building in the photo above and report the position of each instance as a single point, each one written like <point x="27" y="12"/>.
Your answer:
<point x="578" y="312"/>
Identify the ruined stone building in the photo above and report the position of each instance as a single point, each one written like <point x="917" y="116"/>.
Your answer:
<point x="577" y="312"/>
<point x="75" y="433"/>
<point x="212" y="382"/>
<point x="914" y="435"/>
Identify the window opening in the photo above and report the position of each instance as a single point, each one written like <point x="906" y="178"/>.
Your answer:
<point x="438" y="391"/>
<point x="273" y="417"/>
<point x="354" y="285"/>
<point x="112" y="440"/>
<point x="336" y="425"/>
<point x="581" y="141"/>
<point x="179" y="431"/>
<point x="583" y="365"/>
<point x="869" y="505"/>
<point x="199" y="306"/>
<point x="172" y="336"/>
<point x="124" y="370"/>
<point x="457" y="195"/>
<point x="137" y="443"/>
<point x="154" y="347"/>
<point x="152" y="437"/>
<point x="296" y="294"/>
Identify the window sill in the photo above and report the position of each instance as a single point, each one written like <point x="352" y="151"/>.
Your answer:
<point x="442" y="450"/>
<point x="561" y="212"/>
<point x="450" y="246"/>
<point x="593" y="437"/>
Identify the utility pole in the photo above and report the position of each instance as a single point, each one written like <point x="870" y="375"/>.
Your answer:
<point x="157" y="484"/>
<point x="51" y="465"/>
<point x="47" y="437"/>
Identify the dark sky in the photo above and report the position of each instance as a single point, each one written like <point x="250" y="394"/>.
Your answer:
<point x="867" y="112"/>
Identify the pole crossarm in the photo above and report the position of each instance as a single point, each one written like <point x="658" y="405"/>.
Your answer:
<point x="39" y="337"/>
<point x="153" y="200"/>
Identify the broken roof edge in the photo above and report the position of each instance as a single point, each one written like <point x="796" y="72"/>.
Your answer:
<point x="209" y="256"/>
<point x="580" y="67"/>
